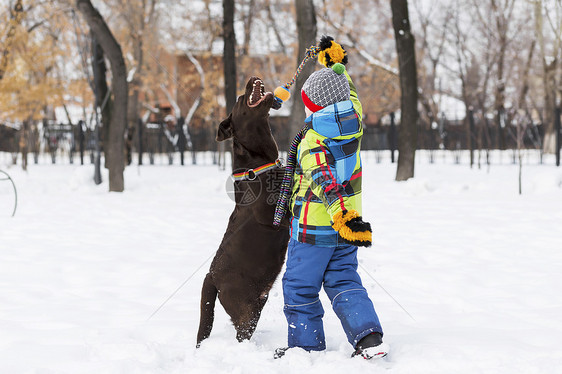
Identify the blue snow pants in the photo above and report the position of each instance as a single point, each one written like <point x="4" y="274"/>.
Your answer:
<point x="308" y="268"/>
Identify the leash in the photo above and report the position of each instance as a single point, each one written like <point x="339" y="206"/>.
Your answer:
<point x="8" y="178"/>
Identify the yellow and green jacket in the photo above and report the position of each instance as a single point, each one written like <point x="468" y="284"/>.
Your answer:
<point x="327" y="179"/>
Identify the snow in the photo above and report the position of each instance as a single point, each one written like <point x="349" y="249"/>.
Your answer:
<point x="475" y="265"/>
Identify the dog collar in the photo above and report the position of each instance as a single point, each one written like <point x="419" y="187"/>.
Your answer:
<point x="251" y="174"/>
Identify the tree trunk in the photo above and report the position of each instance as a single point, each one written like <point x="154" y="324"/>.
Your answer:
<point x="101" y="92"/>
<point x="23" y="143"/>
<point x="521" y="103"/>
<point x="195" y="106"/>
<point x="549" y="84"/>
<point x="229" y="55"/>
<point x="500" y="96"/>
<point x="229" y="61"/>
<point x="306" y="27"/>
<point x="136" y="83"/>
<point x="114" y="145"/>
<point x="468" y="123"/>
<point x="392" y="136"/>
<point x="133" y="116"/>
<point x="557" y="135"/>
<point x="407" y="134"/>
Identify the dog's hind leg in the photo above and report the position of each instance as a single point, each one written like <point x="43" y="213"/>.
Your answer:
<point x="208" y="298"/>
<point x="247" y="322"/>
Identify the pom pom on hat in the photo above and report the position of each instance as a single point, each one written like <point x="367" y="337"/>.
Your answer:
<point x="331" y="52"/>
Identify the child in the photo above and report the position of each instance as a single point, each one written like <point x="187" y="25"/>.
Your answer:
<point x="326" y="224"/>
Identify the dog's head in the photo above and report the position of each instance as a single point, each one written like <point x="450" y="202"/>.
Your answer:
<point x="248" y="123"/>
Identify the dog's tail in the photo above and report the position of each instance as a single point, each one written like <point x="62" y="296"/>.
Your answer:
<point x="208" y="298"/>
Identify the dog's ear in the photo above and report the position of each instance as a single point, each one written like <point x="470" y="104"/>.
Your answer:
<point x="225" y="129"/>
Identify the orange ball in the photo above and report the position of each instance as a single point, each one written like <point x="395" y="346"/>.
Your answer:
<point x="282" y="93"/>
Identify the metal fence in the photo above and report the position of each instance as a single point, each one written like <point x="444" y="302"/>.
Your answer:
<point x="158" y="143"/>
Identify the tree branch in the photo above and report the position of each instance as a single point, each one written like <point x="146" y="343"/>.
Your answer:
<point x="202" y="82"/>
<point x="362" y="52"/>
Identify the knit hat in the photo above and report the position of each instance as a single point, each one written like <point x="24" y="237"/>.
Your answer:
<point x="325" y="87"/>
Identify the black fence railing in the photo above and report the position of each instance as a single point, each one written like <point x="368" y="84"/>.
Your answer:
<point x="157" y="140"/>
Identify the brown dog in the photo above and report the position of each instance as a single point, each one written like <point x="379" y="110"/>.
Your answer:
<point x="252" y="252"/>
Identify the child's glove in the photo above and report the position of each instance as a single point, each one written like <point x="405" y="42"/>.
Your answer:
<point x="352" y="229"/>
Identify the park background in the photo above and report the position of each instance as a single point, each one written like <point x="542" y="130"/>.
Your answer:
<point x="113" y="201"/>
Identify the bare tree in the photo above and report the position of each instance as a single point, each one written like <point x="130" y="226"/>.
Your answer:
<point x="522" y="111"/>
<point x="273" y="25"/>
<point x="434" y="29"/>
<point x="502" y="15"/>
<point x="114" y="145"/>
<point x="549" y="67"/>
<point x="182" y="122"/>
<point x="487" y="62"/>
<point x="354" y="42"/>
<point x="249" y="18"/>
<point x="139" y="17"/>
<point x="103" y="101"/>
<point x="306" y="27"/>
<point x="502" y="21"/>
<point x="229" y="60"/>
<point x="468" y="74"/>
<point x="229" y="55"/>
<point x="405" y="47"/>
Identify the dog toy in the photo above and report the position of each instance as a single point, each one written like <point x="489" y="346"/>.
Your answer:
<point x="282" y="93"/>
<point x="329" y="53"/>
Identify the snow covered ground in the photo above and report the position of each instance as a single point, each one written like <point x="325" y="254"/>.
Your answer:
<point x="474" y="270"/>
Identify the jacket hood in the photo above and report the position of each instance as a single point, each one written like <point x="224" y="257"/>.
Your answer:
<point x="335" y="121"/>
